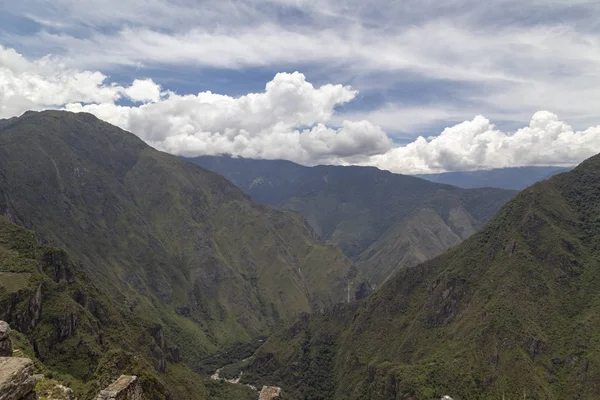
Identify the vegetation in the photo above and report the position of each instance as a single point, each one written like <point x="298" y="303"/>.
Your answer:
<point x="74" y="333"/>
<point x="383" y="221"/>
<point x="182" y="262"/>
<point x="512" y="312"/>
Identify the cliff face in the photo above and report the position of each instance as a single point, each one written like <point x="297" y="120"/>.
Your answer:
<point x="5" y="344"/>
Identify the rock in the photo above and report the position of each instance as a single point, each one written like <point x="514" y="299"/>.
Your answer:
<point x="126" y="387"/>
<point x="269" y="393"/>
<point x="35" y="307"/>
<point x="5" y="344"/>
<point x="16" y="379"/>
<point x="446" y="398"/>
<point x="4" y="330"/>
<point x="57" y="391"/>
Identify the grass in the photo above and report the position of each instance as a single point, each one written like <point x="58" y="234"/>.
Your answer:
<point x="14" y="281"/>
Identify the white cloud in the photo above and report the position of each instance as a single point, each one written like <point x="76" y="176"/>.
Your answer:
<point x="477" y="144"/>
<point x="405" y="118"/>
<point x="44" y="83"/>
<point x="260" y="125"/>
<point x="47" y="83"/>
<point x="500" y="70"/>
<point x="291" y="119"/>
<point x="143" y="90"/>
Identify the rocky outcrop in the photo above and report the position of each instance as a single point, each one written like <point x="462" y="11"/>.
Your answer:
<point x="5" y="344"/>
<point x="161" y="351"/>
<point x="49" y="389"/>
<point x="126" y="387"/>
<point x="270" y="393"/>
<point x="16" y="379"/>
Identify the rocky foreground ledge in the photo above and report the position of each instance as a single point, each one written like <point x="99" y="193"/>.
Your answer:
<point x="125" y="388"/>
<point x="17" y="379"/>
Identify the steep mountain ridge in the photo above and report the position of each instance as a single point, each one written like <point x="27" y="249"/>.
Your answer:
<point x="173" y="243"/>
<point x="512" y="312"/>
<point x="381" y="220"/>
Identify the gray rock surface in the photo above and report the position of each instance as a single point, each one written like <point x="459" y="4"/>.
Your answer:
<point x="5" y="344"/>
<point x="126" y="387"/>
<point x="16" y="379"/>
<point x="269" y="393"/>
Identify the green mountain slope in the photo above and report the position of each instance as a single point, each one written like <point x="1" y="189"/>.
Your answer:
<point x="382" y="220"/>
<point x="173" y="243"/>
<point x="513" y="312"/>
<point x="74" y="331"/>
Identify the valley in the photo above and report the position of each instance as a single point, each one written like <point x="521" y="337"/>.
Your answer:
<point x="509" y="313"/>
<point x="380" y="220"/>
<point x="119" y="259"/>
<point x="299" y="200"/>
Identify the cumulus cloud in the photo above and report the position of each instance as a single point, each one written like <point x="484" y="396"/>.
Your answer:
<point x="258" y="125"/>
<point x="47" y="83"/>
<point x="291" y="119"/>
<point x="288" y="120"/>
<point x="143" y="90"/>
<point x="477" y="144"/>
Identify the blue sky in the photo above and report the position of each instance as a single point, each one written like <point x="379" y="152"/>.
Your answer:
<point x="409" y="86"/>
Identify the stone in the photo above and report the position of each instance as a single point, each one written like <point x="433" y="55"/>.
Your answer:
<point x="126" y="387"/>
<point x="16" y="379"/>
<point x="56" y="391"/>
<point x="4" y="330"/>
<point x="6" y="349"/>
<point x="269" y="393"/>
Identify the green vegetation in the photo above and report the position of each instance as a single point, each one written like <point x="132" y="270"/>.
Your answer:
<point x="182" y="262"/>
<point x="381" y="220"/>
<point x="76" y="335"/>
<point x="513" y="312"/>
<point x="13" y="281"/>
<point x="220" y="390"/>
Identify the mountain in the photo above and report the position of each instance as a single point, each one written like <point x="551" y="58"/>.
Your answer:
<point x="512" y="312"/>
<point x="72" y="330"/>
<point x="169" y="242"/>
<point x="517" y="178"/>
<point x="383" y="221"/>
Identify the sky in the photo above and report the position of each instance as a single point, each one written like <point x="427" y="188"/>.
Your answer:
<point x="409" y="86"/>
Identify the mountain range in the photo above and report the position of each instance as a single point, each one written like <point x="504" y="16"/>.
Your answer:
<point x="172" y="245"/>
<point x="512" y="312"/>
<point x="117" y="258"/>
<point x="382" y="221"/>
<point x="516" y="178"/>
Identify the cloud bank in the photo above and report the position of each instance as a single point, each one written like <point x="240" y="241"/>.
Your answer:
<point x="477" y="144"/>
<point x="291" y="119"/>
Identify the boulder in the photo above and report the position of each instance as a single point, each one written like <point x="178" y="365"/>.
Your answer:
<point x="16" y="379"/>
<point x="126" y="387"/>
<point x="5" y="344"/>
<point x="269" y="393"/>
